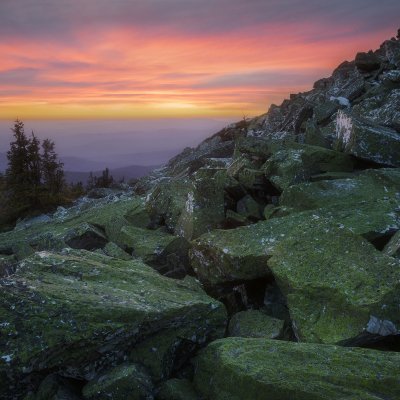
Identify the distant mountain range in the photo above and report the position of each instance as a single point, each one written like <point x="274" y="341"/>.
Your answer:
<point x="78" y="169"/>
<point x="115" y="161"/>
<point x="130" y="172"/>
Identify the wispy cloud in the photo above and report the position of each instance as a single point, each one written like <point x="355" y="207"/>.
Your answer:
<point x="73" y="58"/>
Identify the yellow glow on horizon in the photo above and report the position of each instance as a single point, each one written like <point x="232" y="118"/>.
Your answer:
<point x="34" y="111"/>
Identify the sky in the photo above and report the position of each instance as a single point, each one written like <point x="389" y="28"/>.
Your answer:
<point x="127" y="59"/>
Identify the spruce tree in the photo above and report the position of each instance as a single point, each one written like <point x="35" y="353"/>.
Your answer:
<point x="52" y="169"/>
<point x="17" y="174"/>
<point x="34" y="161"/>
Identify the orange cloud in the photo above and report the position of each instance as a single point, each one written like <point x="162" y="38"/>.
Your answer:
<point x="131" y="73"/>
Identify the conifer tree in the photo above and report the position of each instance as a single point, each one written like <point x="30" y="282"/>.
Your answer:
<point x="17" y="174"/>
<point x="52" y="169"/>
<point x="34" y="161"/>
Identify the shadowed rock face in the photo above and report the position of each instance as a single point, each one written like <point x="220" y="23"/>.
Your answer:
<point x="291" y="219"/>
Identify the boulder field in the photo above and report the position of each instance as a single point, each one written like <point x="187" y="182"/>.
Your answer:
<point x="262" y="264"/>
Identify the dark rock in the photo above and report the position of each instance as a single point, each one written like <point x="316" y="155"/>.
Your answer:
<point x="367" y="61"/>
<point x="128" y="381"/>
<point x="177" y="389"/>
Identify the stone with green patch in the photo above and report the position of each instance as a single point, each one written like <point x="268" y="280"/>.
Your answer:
<point x="259" y="369"/>
<point x="297" y="163"/>
<point x="255" y="324"/>
<point x="78" y="312"/>
<point x="242" y="254"/>
<point x="367" y="187"/>
<point x="334" y="283"/>
<point x="366" y="140"/>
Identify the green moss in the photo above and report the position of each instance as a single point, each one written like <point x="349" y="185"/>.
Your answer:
<point x="258" y="369"/>
<point x="51" y="235"/>
<point x="254" y="323"/>
<point x="366" y="187"/>
<point x="297" y="163"/>
<point x="334" y="281"/>
<point x="77" y="310"/>
<point x="243" y="253"/>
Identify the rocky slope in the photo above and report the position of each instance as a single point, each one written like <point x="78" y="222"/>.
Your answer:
<point x="277" y="239"/>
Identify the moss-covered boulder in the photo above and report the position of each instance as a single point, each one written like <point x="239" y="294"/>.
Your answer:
<point x="335" y="282"/>
<point x="242" y="253"/>
<point x="128" y="381"/>
<point x="255" y="324"/>
<point x="368" y="186"/>
<point x="297" y="163"/>
<point x="204" y="207"/>
<point x="259" y="369"/>
<point x="89" y="225"/>
<point x="165" y="252"/>
<point x="367" y="140"/>
<point x="167" y="200"/>
<point x="77" y="313"/>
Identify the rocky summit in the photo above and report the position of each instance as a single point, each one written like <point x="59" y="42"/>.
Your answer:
<point x="263" y="264"/>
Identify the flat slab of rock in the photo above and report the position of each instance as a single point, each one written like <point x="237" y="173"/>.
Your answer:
<point x="242" y="254"/>
<point x="335" y="282"/>
<point x="77" y="312"/>
<point x="367" y="187"/>
<point x="259" y="369"/>
<point x="88" y="225"/>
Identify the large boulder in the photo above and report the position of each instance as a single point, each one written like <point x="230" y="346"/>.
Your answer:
<point x="166" y="201"/>
<point x="297" y="163"/>
<point x="189" y="206"/>
<point x="367" y="187"/>
<point x="259" y="369"/>
<point x="204" y="207"/>
<point x="336" y="284"/>
<point x="367" y="140"/>
<point x="157" y="248"/>
<point x="79" y="313"/>
<point x="367" y="62"/>
<point x="89" y="225"/>
<point x="223" y="256"/>
<point x="383" y="108"/>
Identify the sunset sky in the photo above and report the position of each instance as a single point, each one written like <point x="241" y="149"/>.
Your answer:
<point x="96" y="59"/>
